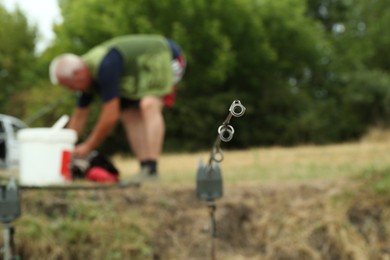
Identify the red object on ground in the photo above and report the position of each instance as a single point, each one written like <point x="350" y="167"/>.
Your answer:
<point x="99" y="174"/>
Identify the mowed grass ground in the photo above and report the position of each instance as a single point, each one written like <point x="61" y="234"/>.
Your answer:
<point x="276" y="164"/>
<point x="303" y="202"/>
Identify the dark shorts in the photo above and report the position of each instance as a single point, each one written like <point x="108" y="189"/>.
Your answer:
<point x="129" y="104"/>
<point x="168" y="99"/>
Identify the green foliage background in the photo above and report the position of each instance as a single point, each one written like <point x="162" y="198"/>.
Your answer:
<point x="307" y="71"/>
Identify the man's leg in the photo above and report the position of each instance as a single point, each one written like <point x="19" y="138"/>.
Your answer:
<point x="145" y="129"/>
<point x="135" y="129"/>
<point x="151" y="111"/>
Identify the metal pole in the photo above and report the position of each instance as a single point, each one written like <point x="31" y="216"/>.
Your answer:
<point x="7" y="252"/>
<point x="225" y="134"/>
<point x="213" y="230"/>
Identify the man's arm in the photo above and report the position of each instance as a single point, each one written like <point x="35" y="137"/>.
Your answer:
<point x="109" y="116"/>
<point x="108" y="83"/>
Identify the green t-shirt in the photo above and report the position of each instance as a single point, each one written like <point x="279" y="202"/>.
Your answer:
<point x="146" y="64"/>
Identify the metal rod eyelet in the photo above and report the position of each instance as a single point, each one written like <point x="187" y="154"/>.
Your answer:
<point x="226" y="132"/>
<point x="237" y="109"/>
<point x="217" y="156"/>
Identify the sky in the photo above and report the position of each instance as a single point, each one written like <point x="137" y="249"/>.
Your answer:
<point x="43" y="13"/>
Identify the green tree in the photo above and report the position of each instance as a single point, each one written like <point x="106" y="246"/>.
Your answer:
<point x="359" y="68"/>
<point x="17" y="59"/>
<point x="368" y="24"/>
<point x="330" y="13"/>
<point x="264" y="53"/>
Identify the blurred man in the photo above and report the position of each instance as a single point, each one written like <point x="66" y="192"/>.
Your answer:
<point x="135" y="77"/>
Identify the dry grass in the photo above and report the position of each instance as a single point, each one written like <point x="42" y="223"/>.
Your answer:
<point x="279" y="203"/>
<point x="276" y="164"/>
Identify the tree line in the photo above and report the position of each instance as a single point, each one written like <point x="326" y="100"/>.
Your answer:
<point x="308" y="71"/>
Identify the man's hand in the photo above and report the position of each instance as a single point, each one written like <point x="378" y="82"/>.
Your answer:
<point x="82" y="150"/>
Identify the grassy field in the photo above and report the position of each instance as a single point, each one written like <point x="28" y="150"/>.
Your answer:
<point x="277" y="164"/>
<point x="305" y="202"/>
